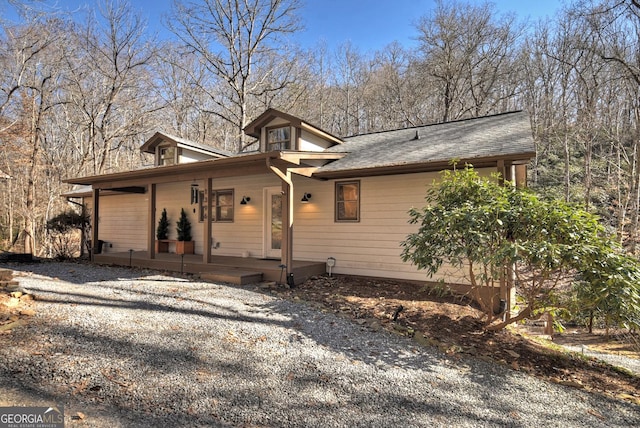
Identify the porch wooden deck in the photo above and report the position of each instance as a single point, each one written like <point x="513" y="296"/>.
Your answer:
<point x="235" y="270"/>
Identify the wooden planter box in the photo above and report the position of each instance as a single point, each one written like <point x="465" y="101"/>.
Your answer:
<point x="182" y="247"/>
<point x="185" y="247"/>
<point x="162" y="245"/>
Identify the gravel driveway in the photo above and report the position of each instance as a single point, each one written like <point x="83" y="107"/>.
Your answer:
<point x="120" y="347"/>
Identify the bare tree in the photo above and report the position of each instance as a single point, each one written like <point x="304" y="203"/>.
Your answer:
<point x="468" y="54"/>
<point x="316" y="102"/>
<point x="111" y="86"/>
<point x="32" y="96"/>
<point x="236" y="40"/>
<point x="351" y="77"/>
<point x="180" y="75"/>
<point x="397" y="92"/>
<point x="612" y="35"/>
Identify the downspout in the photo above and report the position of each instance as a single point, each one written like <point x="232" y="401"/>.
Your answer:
<point x="507" y="280"/>
<point x="287" y="254"/>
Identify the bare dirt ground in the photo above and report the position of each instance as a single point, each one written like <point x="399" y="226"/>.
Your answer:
<point x="453" y="326"/>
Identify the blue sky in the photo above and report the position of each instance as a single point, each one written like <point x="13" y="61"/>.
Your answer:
<point x="368" y="25"/>
<point x="373" y="24"/>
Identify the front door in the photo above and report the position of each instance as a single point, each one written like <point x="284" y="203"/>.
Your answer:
<point x="273" y="222"/>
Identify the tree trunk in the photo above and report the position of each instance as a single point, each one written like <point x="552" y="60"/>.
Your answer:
<point x="567" y="164"/>
<point x="587" y="174"/>
<point x="29" y="219"/>
<point x="523" y="314"/>
<point x="636" y="195"/>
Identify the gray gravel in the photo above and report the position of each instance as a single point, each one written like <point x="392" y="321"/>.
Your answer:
<point x="134" y="348"/>
<point x="631" y="364"/>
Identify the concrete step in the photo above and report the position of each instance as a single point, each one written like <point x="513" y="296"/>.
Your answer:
<point x="233" y="276"/>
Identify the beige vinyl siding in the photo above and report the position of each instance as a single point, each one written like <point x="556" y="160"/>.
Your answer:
<point x="232" y="239"/>
<point x="370" y="247"/>
<point x="187" y="156"/>
<point x="123" y="222"/>
<point x="174" y="197"/>
<point x="245" y="234"/>
<point x="312" y="143"/>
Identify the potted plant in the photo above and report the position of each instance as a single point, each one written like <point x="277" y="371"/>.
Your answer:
<point x="162" y="233"/>
<point x="184" y="245"/>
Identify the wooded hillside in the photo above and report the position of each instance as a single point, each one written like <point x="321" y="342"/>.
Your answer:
<point x="79" y="94"/>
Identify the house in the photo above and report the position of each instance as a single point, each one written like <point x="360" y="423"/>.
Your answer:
<point x="304" y="202"/>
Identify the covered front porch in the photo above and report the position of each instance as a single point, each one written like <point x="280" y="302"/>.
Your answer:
<point x="260" y="206"/>
<point x="235" y="270"/>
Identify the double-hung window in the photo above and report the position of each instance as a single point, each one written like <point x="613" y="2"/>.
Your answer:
<point x="279" y="138"/>
<point x="223" y="209"/>
<point x="347" y="201"/>
<point x="166" y="155"/>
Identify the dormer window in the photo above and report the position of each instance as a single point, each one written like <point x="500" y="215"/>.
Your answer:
<point x="166" y="155"/>
<point x="279" y="138"/>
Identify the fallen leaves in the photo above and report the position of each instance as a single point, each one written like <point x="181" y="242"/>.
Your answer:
<point x="596" y="414"/>
<point x="112" y="377"/>
<point x="78" y="416"/>
<point x="11" y="325"/>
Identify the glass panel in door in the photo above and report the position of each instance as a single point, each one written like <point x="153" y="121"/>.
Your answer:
<point x="273" y="218"/>
<point x="276" y="222"/>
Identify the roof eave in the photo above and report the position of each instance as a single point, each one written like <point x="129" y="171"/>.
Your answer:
<point x="150" y="145"/>
<point x="204" y="168"/>
<point x="521" y="159"/>
<point x="201" y="150"/>
<point x="252" y="129"/>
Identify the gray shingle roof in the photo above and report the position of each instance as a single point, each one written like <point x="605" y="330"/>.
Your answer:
<point x="200" y="146"/>
<point x="150" y="145"/>
<point x="504" y="135"/>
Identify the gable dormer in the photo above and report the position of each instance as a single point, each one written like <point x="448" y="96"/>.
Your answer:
<point x="278" y="131"/>
<point x="170" y="150"/>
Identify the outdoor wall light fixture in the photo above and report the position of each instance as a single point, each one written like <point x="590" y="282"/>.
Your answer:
<point x="245" y="200"/>
<point x="305" y="198"/>
<point x="194" y="193"/>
